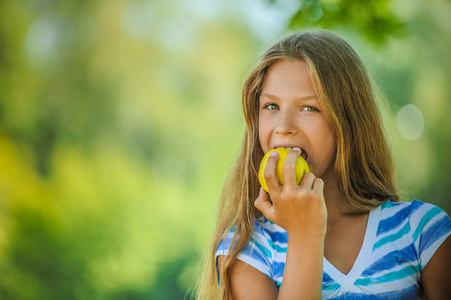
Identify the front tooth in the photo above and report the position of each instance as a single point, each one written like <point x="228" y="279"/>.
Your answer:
<point x="289" y="148"/>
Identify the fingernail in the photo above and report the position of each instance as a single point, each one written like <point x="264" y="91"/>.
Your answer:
<point x="274" y="153"/>
<point x="297" y="148"/>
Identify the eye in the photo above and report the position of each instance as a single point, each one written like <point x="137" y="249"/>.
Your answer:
<point x="271" y="106"/>
<point x="309" y="108"/>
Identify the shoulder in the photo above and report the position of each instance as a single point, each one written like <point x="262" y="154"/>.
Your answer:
<point x="426" y="218"/>
<point x="432" y="230"/>
<point x="265" y="237"/>
<point x="270" y="231"/>
<point x="417" y="211"/>
<point x="262" y="247"/>
<point x="425" y="222"/>
<point x="264" y="232"/>
<point x="429" y="226"/>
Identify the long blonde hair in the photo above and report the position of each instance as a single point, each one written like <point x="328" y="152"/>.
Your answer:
<point x="363" y="164"/>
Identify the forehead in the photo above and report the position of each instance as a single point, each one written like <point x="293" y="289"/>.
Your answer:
<point x="288" y="78"/>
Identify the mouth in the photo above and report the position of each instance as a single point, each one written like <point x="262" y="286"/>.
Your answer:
<point x="304" y="154"/>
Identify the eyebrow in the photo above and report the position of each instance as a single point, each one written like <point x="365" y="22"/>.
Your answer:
<point x="304" y="98"/>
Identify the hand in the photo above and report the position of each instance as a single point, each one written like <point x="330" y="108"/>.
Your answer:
<point x="300" y="210"/>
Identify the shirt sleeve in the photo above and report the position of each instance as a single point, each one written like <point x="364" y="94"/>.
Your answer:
<point x="256" y="253"/>
<point x="431" y="226"/>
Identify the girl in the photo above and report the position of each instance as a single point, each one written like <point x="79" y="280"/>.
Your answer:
<point x="341" y="233"/>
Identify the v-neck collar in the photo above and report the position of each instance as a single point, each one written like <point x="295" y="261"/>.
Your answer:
<point x="347" y="280"/>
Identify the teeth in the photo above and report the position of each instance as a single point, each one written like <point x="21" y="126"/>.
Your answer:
<point x="304" y="154"/>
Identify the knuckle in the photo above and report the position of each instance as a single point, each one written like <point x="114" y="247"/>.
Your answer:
<point x="273" y="159"/>
<point x="288" y="168"/>
<point x="303" y="194"/>
<point x="269" y="175"/>
<point x="316" y="198"/>
<point x="289" y="193"/>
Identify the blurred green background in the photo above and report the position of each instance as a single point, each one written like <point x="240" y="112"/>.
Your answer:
<point x="119" y="121"/>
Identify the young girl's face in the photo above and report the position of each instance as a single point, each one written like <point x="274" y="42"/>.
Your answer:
<point x="290" y="115"/>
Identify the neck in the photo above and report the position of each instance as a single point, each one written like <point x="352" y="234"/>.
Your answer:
<point x="337" y="206"/>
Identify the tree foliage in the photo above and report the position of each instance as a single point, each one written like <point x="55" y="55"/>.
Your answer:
<point x="374" y="19"/>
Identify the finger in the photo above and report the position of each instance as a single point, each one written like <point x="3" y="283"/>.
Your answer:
<point x="271" y="172"/>
<point x="262" y="203"/>
<point x="289" y="168"/>
<point x="318" y="186"/>
<point x="307" y="181"/>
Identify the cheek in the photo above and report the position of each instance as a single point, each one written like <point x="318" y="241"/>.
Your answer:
<point x="263" y="139"/>
<point x="263" y="135"/>
<point x="260" y="131"/>
<point x="324" y="141"/>
<point x="329" y="145"/>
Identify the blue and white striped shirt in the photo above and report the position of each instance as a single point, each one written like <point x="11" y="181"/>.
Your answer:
<point x="400" y="239"/>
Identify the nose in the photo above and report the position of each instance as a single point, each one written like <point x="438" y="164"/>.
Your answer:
<point x="286" y="124"/>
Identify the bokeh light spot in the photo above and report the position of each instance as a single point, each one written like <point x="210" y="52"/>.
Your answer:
<point x="410" y="122"/>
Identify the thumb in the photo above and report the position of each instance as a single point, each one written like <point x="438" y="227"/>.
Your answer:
<point x="262" y="203"/>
